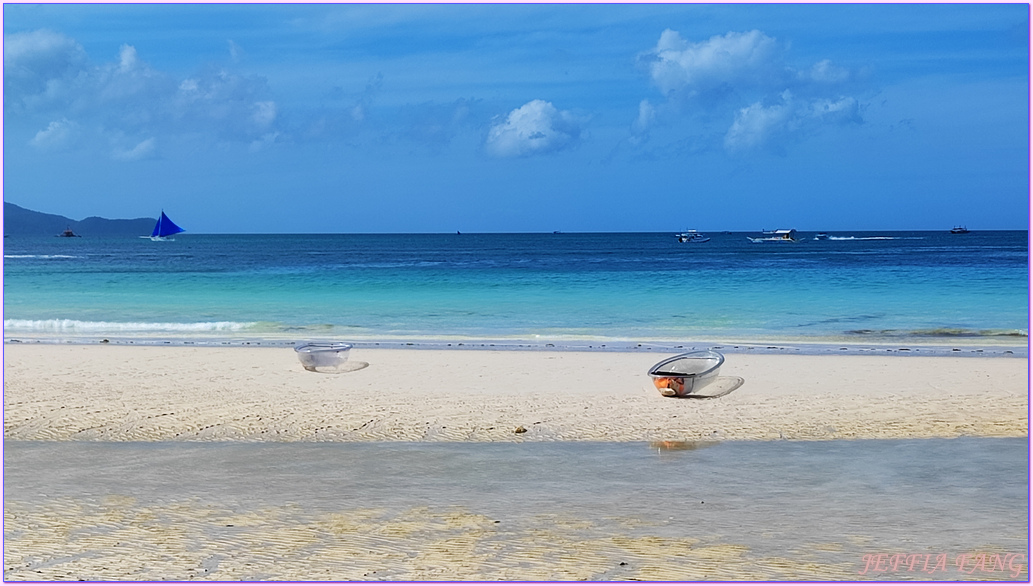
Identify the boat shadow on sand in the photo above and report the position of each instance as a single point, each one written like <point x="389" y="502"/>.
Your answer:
<point x="722" y="385"/>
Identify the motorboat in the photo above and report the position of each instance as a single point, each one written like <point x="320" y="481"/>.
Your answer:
<point x="959" y="230"/>
<point x="821" y="236"/>
<point x="685" y="374"/>
<point x="776" y="236"/>
<point x="69" y="234"/>
<point x="692" y="236"/>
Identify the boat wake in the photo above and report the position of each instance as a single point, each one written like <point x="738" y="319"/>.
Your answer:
<point x="44" y="256"/>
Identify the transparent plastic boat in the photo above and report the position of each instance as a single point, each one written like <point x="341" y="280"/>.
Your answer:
<point x="323" y="356"/>
<point x="684" y="374"/>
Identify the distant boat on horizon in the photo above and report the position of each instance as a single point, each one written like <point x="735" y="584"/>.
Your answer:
<point x="67" y="234"/>
<point x="776" y="236"/>
<point x="959" y="230"/>
<point x="692" y="236"/>
<point x="164" y="229"/>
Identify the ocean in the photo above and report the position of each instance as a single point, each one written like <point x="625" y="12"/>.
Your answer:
<point x="931" y="291"/>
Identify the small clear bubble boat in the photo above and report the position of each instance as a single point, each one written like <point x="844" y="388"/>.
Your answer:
<point x="323" y="356"/>
<point x="685" y="374"/>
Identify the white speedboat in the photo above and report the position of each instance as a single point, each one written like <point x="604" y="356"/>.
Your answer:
<point x="776" y="236"/>
<point x="692" y="236"/>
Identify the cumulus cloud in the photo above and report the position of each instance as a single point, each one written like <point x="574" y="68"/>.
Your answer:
<point x="735" y="58"/>
<point x="744" y="78"/>
<point x="143" y="150"/>
<point x="58" y="135"/>
<point x="646" y="116"/>
<point x="757" y="125"/>
<point x="127" y="59"/>
<point x="39" y="64"/>
<point x="825" y="72"/>
<point x="843" y="110"/>
<point x="536" y="127"/>
<point x="263" y="114"/>
<point x="48" y="75"/>
<point x="231" y="105"/>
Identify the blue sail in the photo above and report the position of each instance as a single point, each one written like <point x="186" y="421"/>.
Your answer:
<point x="165" y="227"/>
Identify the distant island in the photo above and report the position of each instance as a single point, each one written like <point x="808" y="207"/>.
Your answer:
<point x="19" y="221"/>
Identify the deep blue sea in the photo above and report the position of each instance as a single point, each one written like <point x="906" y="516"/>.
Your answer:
<point x="855" y="289"/>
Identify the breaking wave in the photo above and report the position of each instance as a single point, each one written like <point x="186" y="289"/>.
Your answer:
<point x="69" y="326"/>
<point x="945" y="333"/>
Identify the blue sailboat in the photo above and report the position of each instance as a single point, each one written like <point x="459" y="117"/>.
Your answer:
<point x="164" y="229"/>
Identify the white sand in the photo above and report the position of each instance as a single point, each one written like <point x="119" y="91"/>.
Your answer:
<point x="120" y="393"/>
<point x="125" y="393"/>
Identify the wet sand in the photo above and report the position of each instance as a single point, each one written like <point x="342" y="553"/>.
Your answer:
<point x="505" y="511"/>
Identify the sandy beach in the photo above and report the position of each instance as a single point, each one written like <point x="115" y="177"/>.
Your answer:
<point x="120" y="393"/>
<point x="75" y="515"/>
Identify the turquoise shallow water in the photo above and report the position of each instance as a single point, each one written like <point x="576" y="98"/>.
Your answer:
<point x="858" y="288"/>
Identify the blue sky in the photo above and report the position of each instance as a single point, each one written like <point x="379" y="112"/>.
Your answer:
<point x="521" y="118"/>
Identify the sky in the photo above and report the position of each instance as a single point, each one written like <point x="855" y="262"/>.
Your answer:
<point x="409" y="118"/>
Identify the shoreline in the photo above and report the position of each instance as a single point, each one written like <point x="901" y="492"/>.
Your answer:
<point x="104" y="392"/>
<point x="833" y="347"/>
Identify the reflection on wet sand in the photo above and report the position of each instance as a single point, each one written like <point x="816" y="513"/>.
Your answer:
<point x="681" y="446"/>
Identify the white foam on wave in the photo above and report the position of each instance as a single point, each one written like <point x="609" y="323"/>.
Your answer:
<point x="73" y="326"/>
<point x="39" y="256"/>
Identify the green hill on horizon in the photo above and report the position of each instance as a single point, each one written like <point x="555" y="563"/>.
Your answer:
<point x="19" y="221"/>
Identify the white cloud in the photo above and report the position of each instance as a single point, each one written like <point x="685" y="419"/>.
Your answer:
<point x="127" y="59"/>
<point x="143" y="150"/>
<point x="231" y="106"/>
<point x="742" y="76"/>
<point x="646" y="116"/>
<point x="843" y="110"/>
<point x="49" y="74"/>
<point x="263" y="114"/>
<point x="534" y="128"/>
<point x="824" y="71"/>
<point x="733" y="58"/>
<point x="58" y="135"/>
<point x="37" y="65"/>
<point x="757" y="125"/>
